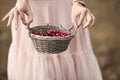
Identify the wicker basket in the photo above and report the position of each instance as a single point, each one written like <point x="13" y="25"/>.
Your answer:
<point x="48" y="44"/>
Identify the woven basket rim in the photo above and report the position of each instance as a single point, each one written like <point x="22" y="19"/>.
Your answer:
<point x="49" y="37"/>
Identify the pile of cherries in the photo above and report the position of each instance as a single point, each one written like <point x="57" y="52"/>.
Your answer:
<point x="51" y="32"/>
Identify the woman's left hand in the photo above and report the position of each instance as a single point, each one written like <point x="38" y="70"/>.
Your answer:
<point x="83" y="13"/>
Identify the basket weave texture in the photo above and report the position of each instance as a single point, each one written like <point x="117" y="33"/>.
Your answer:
<point x="48" y="44"/>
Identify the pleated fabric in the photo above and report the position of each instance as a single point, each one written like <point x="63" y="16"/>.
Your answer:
<point x="78" y="62"/>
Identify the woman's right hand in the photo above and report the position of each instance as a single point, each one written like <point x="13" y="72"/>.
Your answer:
<point x="21" y="8"/>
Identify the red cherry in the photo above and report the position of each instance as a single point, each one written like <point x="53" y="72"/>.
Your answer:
<point x="57" y="34"/>
<point x="33" y="32"/>
<point x="37" y="33"/>
<point x="65" y="34"/>
<point x="51" y="33"/>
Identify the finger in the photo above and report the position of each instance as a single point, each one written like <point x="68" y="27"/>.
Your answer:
<point x="4" y="18"/>
<point x="93" y="22"/>
<point x="73" y="20"/>
<point x="10" y="20"/>
<point x="89" y="21"/>
<point x="22" y="16"/>
<point x="30" y="16"/>
<point x="16" y="19"/>
<point x="82" y="17"/>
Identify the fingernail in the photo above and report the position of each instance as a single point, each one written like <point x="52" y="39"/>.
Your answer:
<point x="91" y="27"/>
<point x="7" y="25"/>
<point x="1" y="20"/>
<point x="84" y="27"/>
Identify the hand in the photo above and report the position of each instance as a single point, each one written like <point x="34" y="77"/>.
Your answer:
<point x="83" y="13"/>
<point x="20" y="9"/>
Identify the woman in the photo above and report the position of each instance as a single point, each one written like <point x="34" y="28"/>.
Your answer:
<point x="76" y="63"/>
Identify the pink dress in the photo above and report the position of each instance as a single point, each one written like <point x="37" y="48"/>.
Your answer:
<point x="78" y="62"/>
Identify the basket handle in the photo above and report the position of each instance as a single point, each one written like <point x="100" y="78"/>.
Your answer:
<point x="74" y="29"/>
<point x="28" y="26"/>
<point x="48" y="24"/>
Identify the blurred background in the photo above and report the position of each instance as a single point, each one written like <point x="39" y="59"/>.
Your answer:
<point x="104" y="37"/>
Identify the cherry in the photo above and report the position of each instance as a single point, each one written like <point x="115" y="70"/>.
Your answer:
<point x="36" y="32"/>
<point x="51" y="33"/>
<point x="57" y="34"/>
<point x="65" y="34"/>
